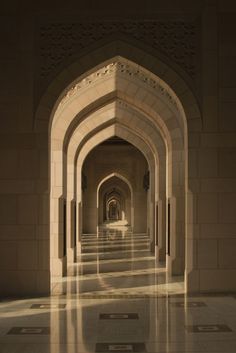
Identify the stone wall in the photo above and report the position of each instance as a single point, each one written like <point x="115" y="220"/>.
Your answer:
<point x="24" y="159"/>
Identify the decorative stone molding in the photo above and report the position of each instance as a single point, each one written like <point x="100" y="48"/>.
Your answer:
<point x="58" y="42"/>
<point x="123" y="68"/>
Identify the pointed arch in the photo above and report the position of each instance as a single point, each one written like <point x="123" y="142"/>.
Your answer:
<point x="168" y="104"/>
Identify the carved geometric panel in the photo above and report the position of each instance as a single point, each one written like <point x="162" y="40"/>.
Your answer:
<point x="59" y="42"/>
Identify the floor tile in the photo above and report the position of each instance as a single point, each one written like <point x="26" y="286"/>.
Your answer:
<point x="208" y="328"/>
<point x="119" y="316"/>
<point x="29" y="331"/>
<point x="120" y="347"/>
<point x="48" y="306"/>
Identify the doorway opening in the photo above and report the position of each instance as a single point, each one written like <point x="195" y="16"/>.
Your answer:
<point x="119" y="102"/>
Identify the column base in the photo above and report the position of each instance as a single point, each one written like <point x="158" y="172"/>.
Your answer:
<point x="192" y="281"/>
<point x="78" y="250"/>
<point x="59" y="267"/>
<point x="71" y="255"/>
<point x="174" y="266"/>
<point x="160" y="253"/>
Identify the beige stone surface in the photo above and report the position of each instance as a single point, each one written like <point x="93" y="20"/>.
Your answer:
<point x="27" y="209"/>
<point x="27" y="255"/>
<point x="207" y="208"/>
<point x="207" y="253"/>
<point x="183" y="123"/>
<point x="227" y="250"/>
<point x="227" y="207"/>
<point x="220" y="280"/>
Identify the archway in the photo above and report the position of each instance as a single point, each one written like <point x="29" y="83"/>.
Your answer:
<point x="114" y="190"/>
<point x="115" y="173"/>
<point x="113" y="208"/>
<point x="158" y="104"/>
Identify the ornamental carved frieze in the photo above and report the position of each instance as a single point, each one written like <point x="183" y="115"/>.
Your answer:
<point x="60" y="42"/>
<point x="127" y="70"/>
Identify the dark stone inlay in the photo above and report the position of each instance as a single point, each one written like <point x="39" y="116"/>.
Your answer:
<point x="48" y="306"/>
<point x="119" y="316"/>
<point x="188" y="304"/>
<point x="208" y="328"/>
<point x="29" y="331"/>
<point x="119" y="296"/>
<point x="120" y="347"/>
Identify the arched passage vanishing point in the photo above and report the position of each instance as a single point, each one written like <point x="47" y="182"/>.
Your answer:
<point x="157" y="101"/>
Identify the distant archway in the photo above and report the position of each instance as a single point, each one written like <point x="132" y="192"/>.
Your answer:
<point x="115" y="187"/>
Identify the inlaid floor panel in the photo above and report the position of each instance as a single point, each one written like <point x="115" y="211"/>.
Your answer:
<point x="152" y="325"/>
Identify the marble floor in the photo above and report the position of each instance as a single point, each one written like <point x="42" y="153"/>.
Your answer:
<point x="118" y="298"/>
<point x="117" y="262"/>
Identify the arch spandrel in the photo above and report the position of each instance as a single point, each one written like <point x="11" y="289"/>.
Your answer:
<point x="159" y="65"/>
<point x="152" y="94"/>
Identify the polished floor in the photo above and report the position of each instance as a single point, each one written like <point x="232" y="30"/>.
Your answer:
<point x="117" y="262"/>
<point x="118" y="298"/>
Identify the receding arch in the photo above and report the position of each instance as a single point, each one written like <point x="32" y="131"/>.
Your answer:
<point x="109" y="184"/>
<point x="171" y="111"/>
<point x="117" y="130"/>
<point x="156" y="95"/>
<point x="119" y="109"/>
<point x="118" y="175"/>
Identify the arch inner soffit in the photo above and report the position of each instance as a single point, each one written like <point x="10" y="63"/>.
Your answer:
<point x="111" y="112"/>
<point x="122" y="132"/>
<point x="104" y="135"/>
<point x="119" y="105"/>
<point x="150" y="138"/>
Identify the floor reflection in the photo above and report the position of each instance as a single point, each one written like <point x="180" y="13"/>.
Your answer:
<point x="167" y="324"/>
<point x="117" y="301"/>
<point x="117" y="262"/>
